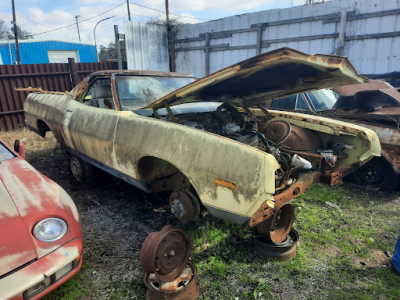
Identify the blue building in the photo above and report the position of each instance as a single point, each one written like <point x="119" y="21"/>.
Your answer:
<point x="42" y="52"/>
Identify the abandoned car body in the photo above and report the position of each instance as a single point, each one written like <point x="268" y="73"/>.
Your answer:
<point x="240" y="164"/>
<point x="40" y="231"/>
<point x="374" y="105"/>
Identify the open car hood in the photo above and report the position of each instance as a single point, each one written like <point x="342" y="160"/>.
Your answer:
<point x="268" y="76"/>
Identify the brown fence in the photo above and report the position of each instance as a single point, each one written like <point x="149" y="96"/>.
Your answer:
<point x="51" y="77"/>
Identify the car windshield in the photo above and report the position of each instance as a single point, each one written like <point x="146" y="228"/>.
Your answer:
<point x="139" y="91"/>
<point x="5" y="153"/>
<point x="323" y="99"/>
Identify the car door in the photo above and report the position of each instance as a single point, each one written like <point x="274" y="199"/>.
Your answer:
<point x="92" y="122"/>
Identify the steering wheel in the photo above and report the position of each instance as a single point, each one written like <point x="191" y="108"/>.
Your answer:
<point x="227" y="113"/>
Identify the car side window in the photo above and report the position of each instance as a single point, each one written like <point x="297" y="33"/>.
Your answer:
<point x="287" y="103"/>
<point x="100" y="94"/>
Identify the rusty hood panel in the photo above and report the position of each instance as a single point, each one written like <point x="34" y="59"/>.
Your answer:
<point x="269" y="76"/>
<point x="371" y="85"/>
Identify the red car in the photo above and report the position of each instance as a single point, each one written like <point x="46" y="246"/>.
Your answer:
<point x="40" y="230"/>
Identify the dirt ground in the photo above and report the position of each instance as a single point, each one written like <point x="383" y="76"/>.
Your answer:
<point x="116" y="219"/>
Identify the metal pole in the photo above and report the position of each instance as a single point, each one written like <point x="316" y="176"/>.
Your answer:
<point x="119" y="58"/>
<point x="342" y="32"/>
<point x="77" y="27"/>
<point x="94" y="34"/>
<point x="15" y="32"/>
<point x="129" y="10"/>
<point x="168" y="36"/>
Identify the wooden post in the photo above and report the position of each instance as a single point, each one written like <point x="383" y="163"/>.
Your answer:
<point x="342" y="32"/>
<point x="77" y="27"/>
<point x="72" y="71"/>
<point x="207" y="54"/>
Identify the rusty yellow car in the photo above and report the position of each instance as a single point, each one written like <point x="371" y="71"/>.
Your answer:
<point x="210" y="142"/>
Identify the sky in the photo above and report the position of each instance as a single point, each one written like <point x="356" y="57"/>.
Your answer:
<point x="42" y="17"/>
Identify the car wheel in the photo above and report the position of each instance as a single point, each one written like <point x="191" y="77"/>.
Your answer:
<point x="377" y="174"/>
<point x="80" y="169"/>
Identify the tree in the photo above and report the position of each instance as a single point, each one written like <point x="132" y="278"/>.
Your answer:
<point x="21" y="34"/>
<point x="107" y="53"/>
<point x="3" y="31"/>
<point x="8" y="34"/>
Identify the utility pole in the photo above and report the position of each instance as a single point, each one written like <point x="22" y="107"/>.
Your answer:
<point x="15" y="32"/>
<point x="77" y="27"/>
<point x="167" y="11"/>
<point x="129" y="10"/>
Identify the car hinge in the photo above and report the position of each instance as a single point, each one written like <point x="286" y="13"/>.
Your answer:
<point x="156" y="113"/>
<point x="170" y="112"/>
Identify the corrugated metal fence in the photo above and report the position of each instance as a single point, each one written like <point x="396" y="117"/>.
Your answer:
<point x="366" y="31"/>
<point x="51" y="77"/>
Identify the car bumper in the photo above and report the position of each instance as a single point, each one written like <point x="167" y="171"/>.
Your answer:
<point x="45" y="274"/>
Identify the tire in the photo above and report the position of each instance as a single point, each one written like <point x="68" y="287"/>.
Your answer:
<point x="376" y="174"/>
<point x="80" y="169"/>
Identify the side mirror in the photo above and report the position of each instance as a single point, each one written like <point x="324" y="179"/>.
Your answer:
<point x="19" y="148"/>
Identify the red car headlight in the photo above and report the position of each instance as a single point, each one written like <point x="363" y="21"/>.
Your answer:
<point x="50" y="229"/>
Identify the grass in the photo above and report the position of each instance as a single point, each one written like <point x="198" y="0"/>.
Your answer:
<point x="346" y="235"/>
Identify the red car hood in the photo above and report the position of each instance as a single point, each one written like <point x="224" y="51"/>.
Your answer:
<point x="26" y="197"/>
<point x="16" y="247"/>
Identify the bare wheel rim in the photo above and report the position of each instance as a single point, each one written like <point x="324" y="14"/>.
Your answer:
<point x="278" y="226"/>
<point x="371" y="174"/>
<point x="76" y="168"/>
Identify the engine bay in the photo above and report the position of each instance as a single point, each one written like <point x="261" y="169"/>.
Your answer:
<point x="296" y="149"/>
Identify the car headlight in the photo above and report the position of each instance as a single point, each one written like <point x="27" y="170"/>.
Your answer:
<point x="50" y="229"/>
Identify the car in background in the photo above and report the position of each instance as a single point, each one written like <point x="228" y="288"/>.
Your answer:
<point x="40" y="230"/>
<point x="375" y="105"/>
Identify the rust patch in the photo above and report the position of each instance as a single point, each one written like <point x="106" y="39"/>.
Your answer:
<point x="352" y="89"/>
<point x="184" y="287"/>
<point x="265" y="211"/>
<point x="332" y="178"/>
<point x="115" y="94"/>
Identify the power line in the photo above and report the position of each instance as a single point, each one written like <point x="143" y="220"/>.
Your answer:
<point x="114" y="21"/>
<point x="32" y="21"/>
<point x="73" y="24"/>
<point x="181" y="16"/>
